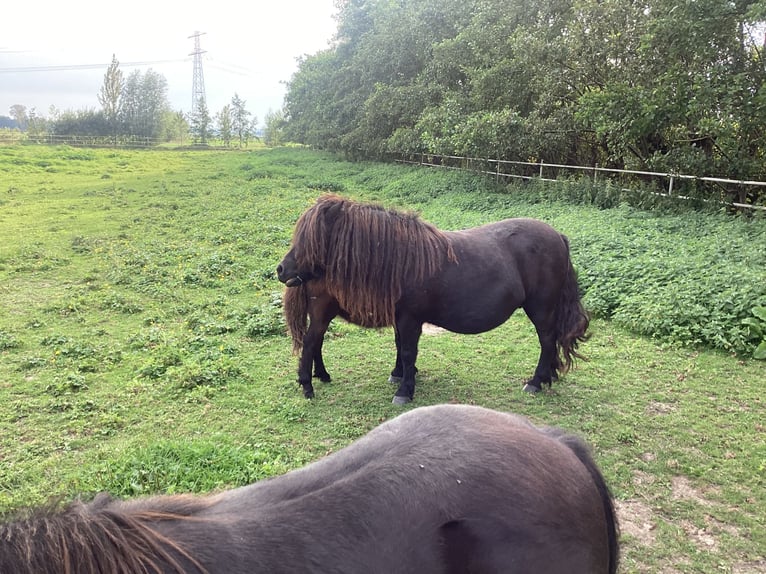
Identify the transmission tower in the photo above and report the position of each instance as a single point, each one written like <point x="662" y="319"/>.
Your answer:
<point x="198" y="84"/>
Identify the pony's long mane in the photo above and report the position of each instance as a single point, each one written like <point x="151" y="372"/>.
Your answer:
<point x="295" y="306"/>
<point x="367" y="254"/>
<point x="98" y="537"/>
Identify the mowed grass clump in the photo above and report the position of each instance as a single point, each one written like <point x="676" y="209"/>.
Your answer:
<point x="142" y="347"/>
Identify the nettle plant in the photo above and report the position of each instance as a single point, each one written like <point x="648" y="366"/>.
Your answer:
<point x="757" y="326"/>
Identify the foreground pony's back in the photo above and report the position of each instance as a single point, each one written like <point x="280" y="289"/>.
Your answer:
<point x="442" y="489"/>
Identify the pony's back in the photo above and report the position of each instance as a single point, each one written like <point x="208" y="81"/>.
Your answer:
<point x="583" y="453"/>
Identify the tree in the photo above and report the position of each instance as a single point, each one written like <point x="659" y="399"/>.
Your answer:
<point x="275" y="126"/>
<point x="314" y="101"/>
<point x="240" y="124"/>
<point x="110" y="93"/>
<point x="175" y="127"/>
<point x="223" y="119"/>
<point x="19" y="113"/>
<point x="199" y="126"/>
<point x="85" y="122"/>
<point x="382" y="49"/>
<point x="253" y="129"/>
<point x="39" y="125"/>
<point x="143" y="103"/>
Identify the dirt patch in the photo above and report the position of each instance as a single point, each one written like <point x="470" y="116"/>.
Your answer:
<point x="641" y="478"/>
<point x="702" y="538"/>
<point x="682" y="489"/>
<point x="706" y="538"/>
<point x="648" y="456"/>
<point x="429" y="329"/>
<point x="656" y="408"/>
<point x="757" y="567"/>
<point x="636" y="520"/>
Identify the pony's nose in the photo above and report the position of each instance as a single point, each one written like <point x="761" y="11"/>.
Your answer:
<point x="279" y="269"/>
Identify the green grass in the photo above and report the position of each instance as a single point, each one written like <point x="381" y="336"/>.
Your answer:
<point x="142" y="346"/>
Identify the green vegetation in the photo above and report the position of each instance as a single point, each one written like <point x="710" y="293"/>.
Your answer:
<point x="142" y="348"/>
<point x="658" y="85"/>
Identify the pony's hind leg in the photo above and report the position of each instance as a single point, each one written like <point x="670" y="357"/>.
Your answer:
<point x="547" y="365"/>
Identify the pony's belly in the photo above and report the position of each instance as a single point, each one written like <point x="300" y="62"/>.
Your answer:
<point x="471" y="324"/>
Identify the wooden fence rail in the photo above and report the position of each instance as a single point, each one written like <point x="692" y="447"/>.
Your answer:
<point x="507" y="169"/>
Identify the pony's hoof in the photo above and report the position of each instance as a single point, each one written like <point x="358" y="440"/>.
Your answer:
<point x="401" y="400"/>
<point x="393" y="379"/>
<point x="308" y="394"/>
<point x="531" y="389"/>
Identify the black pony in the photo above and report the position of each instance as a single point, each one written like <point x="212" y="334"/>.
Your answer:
<point x="437" y="490"/>
<point x="377" y="267"/>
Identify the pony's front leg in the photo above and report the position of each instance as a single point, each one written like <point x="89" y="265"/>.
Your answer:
<point x="408" y="331"/>
<point x="396" y="373"/>
<point x="312" y="356"/>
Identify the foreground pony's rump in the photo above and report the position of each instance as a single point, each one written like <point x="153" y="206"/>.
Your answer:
<point x="377" y="267"/>
<point x="442" y="489"/>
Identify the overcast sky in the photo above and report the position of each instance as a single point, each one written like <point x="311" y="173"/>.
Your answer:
<point x="251" y="49"/>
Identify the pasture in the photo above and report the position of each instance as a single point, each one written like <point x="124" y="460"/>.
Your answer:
<point x="142" y="348"/>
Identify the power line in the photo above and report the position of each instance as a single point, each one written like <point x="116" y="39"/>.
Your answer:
<point x="73" y="67"/>
<point x="230" y="68"/>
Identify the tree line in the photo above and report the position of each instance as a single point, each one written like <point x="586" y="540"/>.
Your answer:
<point x="136" y="107"/>
<point x="657" y="85"/>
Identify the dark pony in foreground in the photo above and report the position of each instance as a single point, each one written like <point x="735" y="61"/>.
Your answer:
<point x="442" y="489"/>
<point x="377" y="267"/>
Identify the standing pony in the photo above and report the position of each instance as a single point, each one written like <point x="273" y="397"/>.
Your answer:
<point x="377" y="267"/>
<point x="437" y="490"/>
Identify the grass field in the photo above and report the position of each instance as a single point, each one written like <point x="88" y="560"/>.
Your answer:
<point x="142" y="348"/>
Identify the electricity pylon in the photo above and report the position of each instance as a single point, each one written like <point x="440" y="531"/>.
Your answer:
<point x="198" y="83"/>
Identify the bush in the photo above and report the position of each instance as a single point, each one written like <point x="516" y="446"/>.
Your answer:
<point x="690" y="278"/>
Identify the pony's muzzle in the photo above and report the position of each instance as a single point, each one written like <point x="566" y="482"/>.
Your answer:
<point x="290" y="282"/>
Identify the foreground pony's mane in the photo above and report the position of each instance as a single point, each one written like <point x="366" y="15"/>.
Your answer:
<point x="98" y="537"/>
<point x="366" y="252"/>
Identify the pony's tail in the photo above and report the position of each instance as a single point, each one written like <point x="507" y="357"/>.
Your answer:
<point x="583" y="452"/>
<point x="572" y="319"/>
<point x="295" y="309"/>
